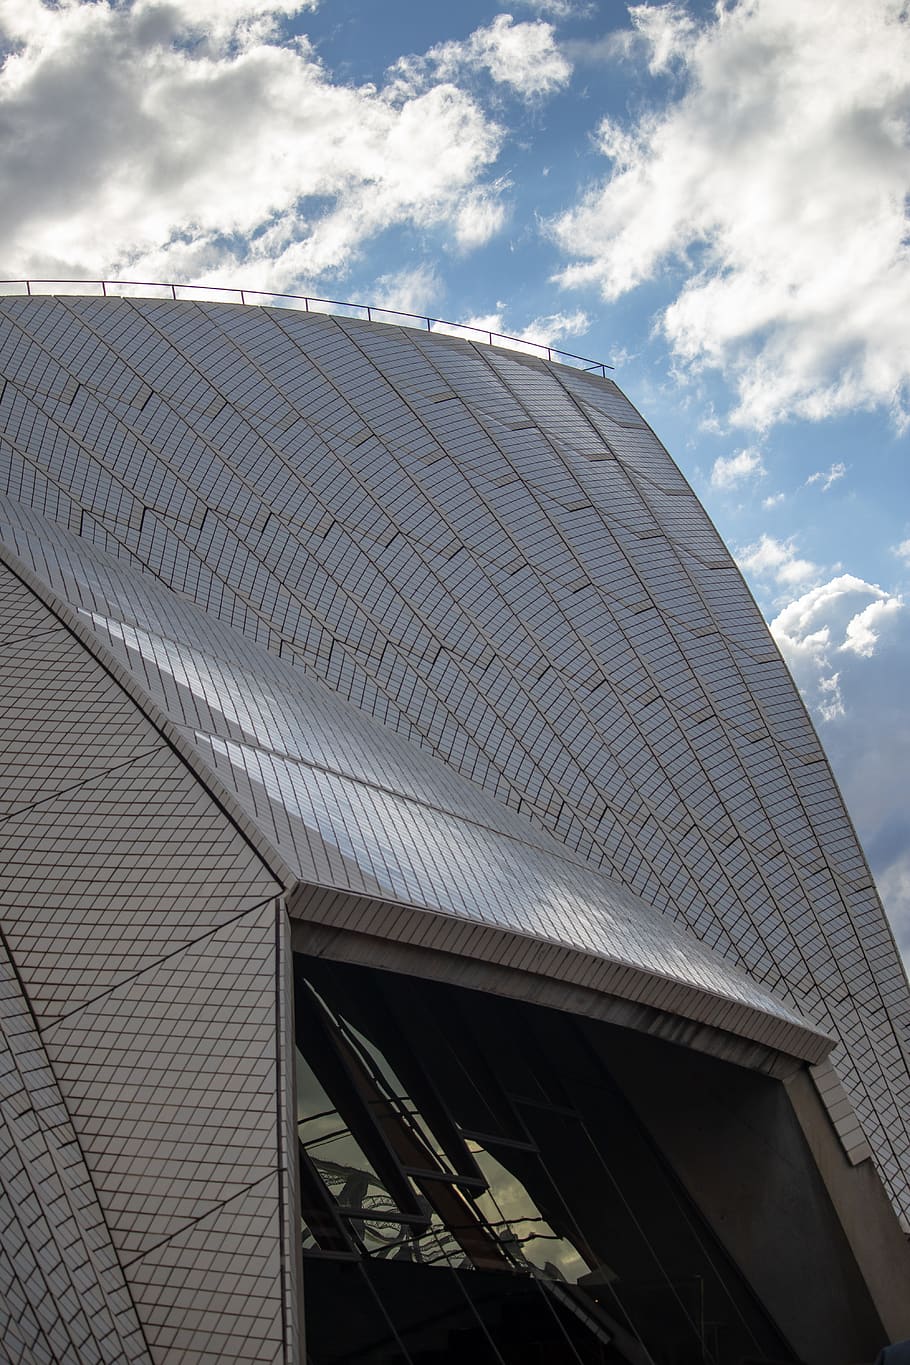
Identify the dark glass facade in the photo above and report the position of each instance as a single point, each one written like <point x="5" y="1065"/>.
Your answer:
<point x="475" y="1185"/>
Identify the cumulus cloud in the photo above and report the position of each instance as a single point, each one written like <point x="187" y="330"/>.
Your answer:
<point x="202" y="156"/>
<point x="219" y="19"/>
<point x="903" y="551"/>
<point x="524" y="56"/>
<point x="826" y="477"/>
<point x="776" y="559"/>
<point x="778" y="179"/>
<point x="730" y="471"/>
<point x="863" y="629"/>
<point x="772" y="500"/>
<point x="847" y="643"/>
<point x="846" y="615"/>
<point x="830" y="698"/>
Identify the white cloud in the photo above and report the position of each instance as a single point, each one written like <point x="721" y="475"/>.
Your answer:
<point x="413" y="290"/>
<point x="777" y="559"/>
<point x="486" y="322"/>
<point x="728" y="472"/>
<point x="659" y="36"/>
<point x="863" y="629"/>
<point x="522" y="55"/>
<point x="202" y="157"/>
<point x="847" y="643"/>
<point x="551" y="328"/>
<point x="830" y="698"/>
<point x="903" y="551"/>
<point x="710" y="421"/>
<point x="559" y="9"/>
<point x="772" y="500"/>
<point x="217" y="19"/>
<point x="826" y="477"/>
<point x="667" y="33"/>
<point x="893" y="882"/>
<point x="778" y="180"/>
<point x="539" y="332"/>
<point x="479" y="216"/>
<point x="846" y="615"/>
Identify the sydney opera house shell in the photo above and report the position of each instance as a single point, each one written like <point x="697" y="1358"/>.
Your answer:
<point x="431" y="931"/>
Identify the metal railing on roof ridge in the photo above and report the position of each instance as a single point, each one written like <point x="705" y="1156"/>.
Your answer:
<point x="337" y="307"/>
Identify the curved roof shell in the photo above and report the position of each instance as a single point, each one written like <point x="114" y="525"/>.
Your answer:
<point x="337" y="801"/>
<point x="494" y="557"/>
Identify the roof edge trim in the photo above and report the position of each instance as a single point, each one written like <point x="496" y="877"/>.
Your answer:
<point x="568" y="969"/>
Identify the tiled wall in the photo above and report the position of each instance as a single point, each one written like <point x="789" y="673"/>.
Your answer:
<point x="142" y="1155"/>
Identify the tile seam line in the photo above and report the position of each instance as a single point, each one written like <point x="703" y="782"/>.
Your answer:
<point x="489" y="362"/>
<point x="228" y="516"/>
<point x="24" y="638"/>
<point x="186" y="754"/>
<point x="58" y="1019"/>
<point x="591" y="954"/>
<point x="566" y="850"/>
<point x="569" y="852"/>
<point x="110" y="469"/>
<point x="796" y="861"/>
<point x="93" y="776"/>
<point x="282" y="1158"/>
<point x="165" y="520"/>
<point x="67" y="1323"/>
<point x="193" y="1222"/>
<point x="78" y="1142"/>
<point x="4" y="944"/>
<point x="331" y="383"/>
<point x="110" y="524"/>
<point x="104" y="401"/>
<point x="481" y="351"/>
<point x="561" y="851"/>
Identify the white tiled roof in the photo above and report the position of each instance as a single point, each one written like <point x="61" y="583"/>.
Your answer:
<point x="496" y="558"/>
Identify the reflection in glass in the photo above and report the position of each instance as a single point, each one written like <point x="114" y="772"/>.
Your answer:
<point x="486" y="1222"/>
<point x="335" y="1153"/>
<point x="527" y="1237"/>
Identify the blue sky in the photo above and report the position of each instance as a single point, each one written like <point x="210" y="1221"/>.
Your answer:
<point x="712" y="198"/>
